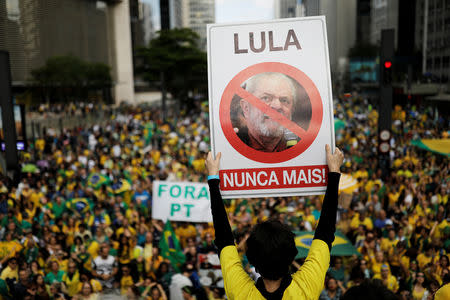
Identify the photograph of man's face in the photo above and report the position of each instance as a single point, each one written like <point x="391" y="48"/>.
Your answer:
<point x="281" y="93"/>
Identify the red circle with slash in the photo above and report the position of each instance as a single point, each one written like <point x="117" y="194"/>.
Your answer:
<point x="307" y="137"/>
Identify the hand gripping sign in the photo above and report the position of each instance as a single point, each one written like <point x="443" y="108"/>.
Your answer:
<point x="270" y="106"/>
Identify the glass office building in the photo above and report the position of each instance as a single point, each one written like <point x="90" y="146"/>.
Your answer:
<point x="34" y="30"/>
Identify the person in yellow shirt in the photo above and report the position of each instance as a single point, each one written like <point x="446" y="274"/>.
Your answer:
<point x="427" y="257"/>
<point x="388" y="279"/>
<point x="126" y="228"/>
<point x="378" y="262"/>
<point x="271" y="246"/>
<point x="389" y="242"/>
<point x="71" y="279"/>
<point x="185" y="231"/>
<point x="419" y="291"/>
<point x="11" y="270"/>
<point x="126" y="280"/>
<point x="441" y="223"/>
<point x="440" y="269"/>
<point x="361" y="219"/>
<point x="98" y="218"/>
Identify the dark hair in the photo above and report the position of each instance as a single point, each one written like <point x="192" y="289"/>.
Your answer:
<point x="369" y="290"/>
<point x="271" y="249"/>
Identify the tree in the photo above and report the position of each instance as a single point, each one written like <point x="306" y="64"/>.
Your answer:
<point x="65" y="77"/>
<point x="174" y="59"/>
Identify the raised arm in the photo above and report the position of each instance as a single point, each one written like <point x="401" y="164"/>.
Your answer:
<point x="318" y="260"/>
<point x="327" y="222"/>
<point x="224" y="235"/>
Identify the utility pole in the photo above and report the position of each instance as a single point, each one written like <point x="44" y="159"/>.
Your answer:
<point x="385" y="104"/>
<point x="9" y="125"/>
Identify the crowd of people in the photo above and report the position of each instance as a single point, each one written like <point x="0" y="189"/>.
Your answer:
<point x="81" y="226"/>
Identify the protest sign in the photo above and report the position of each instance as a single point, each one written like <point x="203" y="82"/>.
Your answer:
<point x="271" y="110"/>
<point x="181" y="201"/>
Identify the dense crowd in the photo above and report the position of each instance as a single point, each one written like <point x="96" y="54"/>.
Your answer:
<point x="81" y="225"/>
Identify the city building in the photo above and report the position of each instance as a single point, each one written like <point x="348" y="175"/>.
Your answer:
<point x="384" y="15"/>
<point x="432" y="36"/>
<point x="198" y="13"/>
<point x="95" y="31"/>
<point x="363" y="9"/>
<point x="341" y="28"/>
<point x="149" y="16"/>
<point x="289" y="9"/>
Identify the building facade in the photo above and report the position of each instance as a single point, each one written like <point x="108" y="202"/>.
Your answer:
<point x="289" y="9"/>
<point x="384" y="15"/>
<point x="198" y="14"/>
<point x="341" y="28"/>
<point x="96" y="31"/>
<point x="432" y="36"/>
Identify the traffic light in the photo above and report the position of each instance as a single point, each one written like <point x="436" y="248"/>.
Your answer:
<point x="385" y="107"/>
<point x="387" y="72"/>
<point x="387" y="56"/>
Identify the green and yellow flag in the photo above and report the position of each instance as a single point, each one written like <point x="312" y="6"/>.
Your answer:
<point x="341" y="245"/>
<point x="96" y="180"/>
<point x="170" y="247"/>
<point x="121" y="186"/>
<point x="440" y="146"/>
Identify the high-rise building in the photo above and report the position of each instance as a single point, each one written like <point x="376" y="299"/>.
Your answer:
<point x="198" y="14"/>
<point x="384" y="15"/>
<point x="432" y="36"/>
<point x="95" y="31"/>
<point x="168" y="14"/>
<point x="289" y="9"/>
<point x="363" y="21"/>
<point x="341" y="27"/>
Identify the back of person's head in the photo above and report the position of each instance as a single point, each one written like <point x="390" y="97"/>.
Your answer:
<point x="271" y="249"/>
<point x="369" y="290"/>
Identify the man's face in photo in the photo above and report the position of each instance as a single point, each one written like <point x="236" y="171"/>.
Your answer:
<point x="276" y="91"/>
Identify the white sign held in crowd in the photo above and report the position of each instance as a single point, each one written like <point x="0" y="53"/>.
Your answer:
<point x="181" y="201"/>
<point x="271" y="110"/>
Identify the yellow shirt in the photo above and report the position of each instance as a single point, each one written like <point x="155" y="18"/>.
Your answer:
<point x="125" y="283"/>
<point x="423" y="260"/>
<point x="387" y="244"/>
<point x="9" y="273"/>
<point x="418" y="295"/>
<point x="439" y="232"/>
<point x="376" y="267"/>
<point x="356" y="222"/>
<point x="307" y="283"/>
<point x="391" y="282"/>
<point x="96" y="286"/>
<point x="72" y="284"/>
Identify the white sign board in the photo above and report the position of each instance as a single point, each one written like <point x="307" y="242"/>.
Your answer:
<point x="271" y="110"/>
<point x="181" y="201"/>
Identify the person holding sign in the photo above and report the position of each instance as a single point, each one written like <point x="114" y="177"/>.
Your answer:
<point x="271" y="248"/>
<point x="260" y="131"/>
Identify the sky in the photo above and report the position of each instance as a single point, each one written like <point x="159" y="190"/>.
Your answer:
<point x="244" y="10"/>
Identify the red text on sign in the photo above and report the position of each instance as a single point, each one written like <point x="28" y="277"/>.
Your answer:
<point x="270" y="178"/>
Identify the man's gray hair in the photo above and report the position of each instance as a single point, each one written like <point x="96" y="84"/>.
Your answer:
<point x="251" y="83"/>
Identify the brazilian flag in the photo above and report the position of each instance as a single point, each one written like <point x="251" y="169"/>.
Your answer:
<point x="121" y="186"/>
<point x="96" y="180"/>
<point x="341" y="245"/>
<point x="440" y="146"/>
<point x="170" y="247"/>
<point x="81" y="205"/>
<point x="149" y="127"/>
